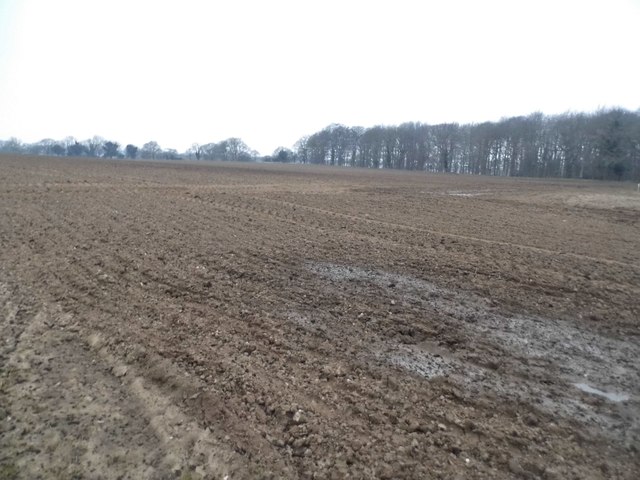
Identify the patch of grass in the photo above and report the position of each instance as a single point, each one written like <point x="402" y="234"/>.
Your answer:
<point x="8" y="471"/>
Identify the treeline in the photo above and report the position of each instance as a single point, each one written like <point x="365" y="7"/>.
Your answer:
<point x="96" y="147"/>
<point x="232" y="149"/>
<point x="602" y="145"/>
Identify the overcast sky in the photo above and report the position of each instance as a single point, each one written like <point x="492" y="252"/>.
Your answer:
<point x="272" y="71"/>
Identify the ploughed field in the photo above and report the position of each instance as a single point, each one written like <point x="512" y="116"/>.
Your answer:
<point x="174" y="320"/>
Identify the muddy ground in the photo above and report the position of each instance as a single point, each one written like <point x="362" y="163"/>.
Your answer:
<point x="170" y="320"/>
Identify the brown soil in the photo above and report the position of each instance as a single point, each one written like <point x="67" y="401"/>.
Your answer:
<point x="171" y="320"/>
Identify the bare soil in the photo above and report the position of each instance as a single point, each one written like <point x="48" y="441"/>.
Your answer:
<point x="173" y="320"/>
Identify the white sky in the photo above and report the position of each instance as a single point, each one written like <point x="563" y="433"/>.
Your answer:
<point x="272" y="71"/>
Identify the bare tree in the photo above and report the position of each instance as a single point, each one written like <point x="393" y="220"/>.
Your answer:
<point x="94" y="146"/>
<point x="150" y="150"/>
<point x="195" y="150"/>
<point x="237" y="150"/>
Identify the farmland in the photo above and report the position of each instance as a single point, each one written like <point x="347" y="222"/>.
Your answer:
<point x="167" y="320"/>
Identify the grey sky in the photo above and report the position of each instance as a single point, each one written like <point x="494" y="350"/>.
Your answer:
<point x="271" y="71"/>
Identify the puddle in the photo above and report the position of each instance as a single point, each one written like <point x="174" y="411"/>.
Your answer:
<point x="614" y="397"/>
<point x="422" y="363"/>
<point x="539" y="357"/>
<point x="465" y="194"/>
<point x="546" y="343"/>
